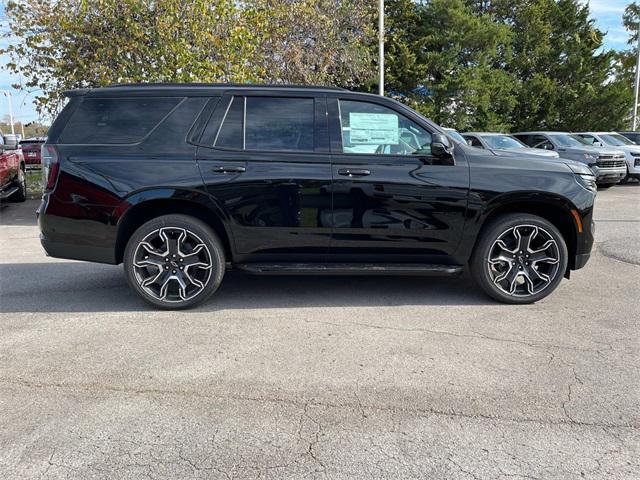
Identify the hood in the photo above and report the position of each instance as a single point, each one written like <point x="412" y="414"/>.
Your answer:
<point x="594" y="150"/>
<point x="527" y="151"/>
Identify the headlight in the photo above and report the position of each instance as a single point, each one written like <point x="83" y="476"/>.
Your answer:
<point x="589" y="157"/>
<point x="587" y="181"/>
<point x="579" y="169"/>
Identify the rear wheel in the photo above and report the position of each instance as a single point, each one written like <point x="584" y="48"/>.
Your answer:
<point x="519" y="258"/>
<point x="174" y="262"/>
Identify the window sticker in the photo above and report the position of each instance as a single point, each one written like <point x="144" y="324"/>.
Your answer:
<point x="373" y="128"/>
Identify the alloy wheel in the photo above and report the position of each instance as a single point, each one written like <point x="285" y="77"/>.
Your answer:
<point x="523" y="260"/>
<point x="172" y="264"/>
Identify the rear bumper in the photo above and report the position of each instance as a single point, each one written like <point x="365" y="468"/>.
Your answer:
<point x="77" y="252"/>
<point x="73" y="238"/>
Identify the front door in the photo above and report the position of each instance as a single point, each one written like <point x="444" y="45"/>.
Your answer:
<point x="269" y="168"/>
<point x="393" y="200"/>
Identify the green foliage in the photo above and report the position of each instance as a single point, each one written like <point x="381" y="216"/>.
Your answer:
<point x="505" y="65"/>
<point x="471" y="64"/>
<point x="68" y="44"/>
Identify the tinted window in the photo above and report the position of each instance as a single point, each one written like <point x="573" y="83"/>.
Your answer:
<point x="537" y="141"/>
<point x="526" y="139"/>
<point x="284" y="124"/>
<point x="370" y="128"/>
<point x="230" y="134"/>
<point x="474" y="142"/>
<point x="116" y="120"/>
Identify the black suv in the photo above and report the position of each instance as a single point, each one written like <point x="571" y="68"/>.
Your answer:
<point x="181" y="182"/>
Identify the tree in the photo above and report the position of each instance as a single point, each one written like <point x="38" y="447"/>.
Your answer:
<point x="564" y="78"/>
<point x="446" y="61"/>
<point x="78" y="43"/>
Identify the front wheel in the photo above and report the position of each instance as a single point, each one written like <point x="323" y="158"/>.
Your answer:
<point x="21" y="182"/>
<point x="174" y="262"/>
<point x="519" y="258"/>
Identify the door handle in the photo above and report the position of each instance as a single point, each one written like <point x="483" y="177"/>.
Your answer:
<point x="354" y="172"/>
<point x="221" y="169"/>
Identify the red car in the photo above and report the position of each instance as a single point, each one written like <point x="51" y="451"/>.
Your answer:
<point x="31" y="151"/>
<point x="13" y="183"/>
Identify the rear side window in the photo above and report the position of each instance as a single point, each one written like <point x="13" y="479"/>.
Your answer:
<point x="279" y="124"/>
<point x="526" y="139"/>
<point x="116" y="120"/>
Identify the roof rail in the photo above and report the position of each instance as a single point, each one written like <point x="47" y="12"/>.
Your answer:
<point x="227" y="85"/>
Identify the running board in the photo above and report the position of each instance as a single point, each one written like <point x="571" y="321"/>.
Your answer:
<point x="349" y="269"/>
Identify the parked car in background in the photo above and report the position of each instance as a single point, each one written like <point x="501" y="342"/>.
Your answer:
<point x="608" y="164"/>
<point x="13" y="183"/>
<point x="31" y="151"/>
<point x="633" y="136"/>
<point x="504" y="143"/>
<point x="455" y="134"/>
<point x="613" y="139"/>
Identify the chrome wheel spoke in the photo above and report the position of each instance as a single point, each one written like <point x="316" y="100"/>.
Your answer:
<point x="172" y="264"/>
<point x="151" y="258"/>
<point x="524" y="240"/>
<point x="523" y="260"/>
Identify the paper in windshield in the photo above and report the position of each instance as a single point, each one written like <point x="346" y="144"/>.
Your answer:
<point x="373" y="128"/>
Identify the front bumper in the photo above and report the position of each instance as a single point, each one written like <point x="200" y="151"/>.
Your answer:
<point x="609" y="175"/>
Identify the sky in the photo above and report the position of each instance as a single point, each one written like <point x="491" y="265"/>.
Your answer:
<point x="607" y="13"/>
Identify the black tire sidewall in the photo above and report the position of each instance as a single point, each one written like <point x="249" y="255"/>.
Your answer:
<point x="480" y="268"/>
<point x="206" y="234"/>
<point x="21" y="194"/>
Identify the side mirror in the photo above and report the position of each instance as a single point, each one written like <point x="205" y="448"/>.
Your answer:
<point x="597" y="144"/>
<point x="10" y="142"/>
<point x="440" y="146"/>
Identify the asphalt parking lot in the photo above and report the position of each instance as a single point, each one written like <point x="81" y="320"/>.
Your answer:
<point x="301" y="377"/>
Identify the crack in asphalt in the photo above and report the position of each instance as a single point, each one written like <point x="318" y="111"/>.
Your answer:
<point x="419" y="412"/>
<point x="459" y="335"/>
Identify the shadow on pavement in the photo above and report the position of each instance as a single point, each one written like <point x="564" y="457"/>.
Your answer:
<point x="85" y="287"/>
<point x="19" y="214"/>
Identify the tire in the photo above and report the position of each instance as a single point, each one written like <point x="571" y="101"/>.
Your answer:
<point x="174" y="262"/>
<point x="497" y="254"/>
<point x="21" y="183"/>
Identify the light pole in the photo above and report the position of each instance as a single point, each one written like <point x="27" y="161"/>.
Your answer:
<point x="637" y="85"/>
<point x="381" y="46"/>
<point x="7" y="94"/>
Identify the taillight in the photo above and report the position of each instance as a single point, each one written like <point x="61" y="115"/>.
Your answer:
<point x="50" y="165"/>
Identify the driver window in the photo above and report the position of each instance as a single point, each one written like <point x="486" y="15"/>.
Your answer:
<point x="368" y="128"/>
<point x="588" y="138"/>
<point x="542" y="142"/>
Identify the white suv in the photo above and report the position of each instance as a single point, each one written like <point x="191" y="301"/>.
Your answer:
<point x="613" y="139"/>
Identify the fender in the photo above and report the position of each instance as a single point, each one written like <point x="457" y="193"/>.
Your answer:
<point x="173" y="196"/>
<point x="534" y="202"/>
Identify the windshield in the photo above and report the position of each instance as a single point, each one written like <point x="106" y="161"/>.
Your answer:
<point x="616" y="140"/>
<point x="566" y="140"/>
<point x="455" y="134"/>
<point x="502" y="141"/>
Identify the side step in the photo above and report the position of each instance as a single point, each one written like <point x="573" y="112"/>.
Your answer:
<point x="349" y="269"/>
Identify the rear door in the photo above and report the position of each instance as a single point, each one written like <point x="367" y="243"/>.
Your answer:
<point x="392" y="199"/>
<point x="265" y="159"/>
